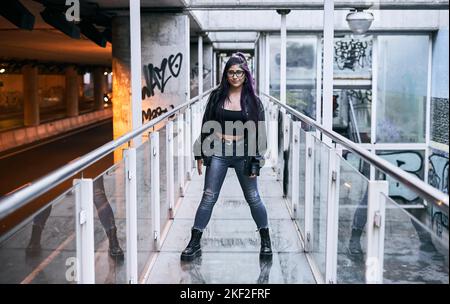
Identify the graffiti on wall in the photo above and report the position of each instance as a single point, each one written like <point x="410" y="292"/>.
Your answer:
<point x="360" y="96"/>
<point x="438" y="178"/>
<point x="438" y="172"/>
<point x="194" y="75"/>
<point x="352" y="54"/>
<point x="157" y="77"/>
<point x="150" y="114"/>
<point x="409" y="161"/>
<point x="194" y="71"/>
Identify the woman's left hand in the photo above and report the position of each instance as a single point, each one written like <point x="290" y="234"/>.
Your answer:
<point x="253" y="176"/>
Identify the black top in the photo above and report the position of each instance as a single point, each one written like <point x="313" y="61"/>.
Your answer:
<point x="233" y="116"/>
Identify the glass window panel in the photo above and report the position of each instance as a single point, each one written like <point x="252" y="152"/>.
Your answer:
<point x="352" y="114"/>
<point x="402" y="88"/>
<point x="300" y="72"/>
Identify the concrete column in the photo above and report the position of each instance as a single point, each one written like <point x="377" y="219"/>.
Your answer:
<point x="283" y="46"/>
<point x="30" y="95"/>
<point x="208" y="65"/>
<point x="200" y="65"/>
<point x="72" y="87"/>
<point x="164" y="67"/>
<point x="99" y="87"/>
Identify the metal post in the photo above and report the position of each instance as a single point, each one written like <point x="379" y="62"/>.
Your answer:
<point x="296" y="126"/>
<point x="275" y="113"/>
<point x="261" y="62"/>
<point x="283" y="57"/>
<point x="328" y="60"/>
<point x="267" y="66"/>
<point x="84" y="220"/>
<point x="129" y="156"/>
<point x="319" y="80"/>
<point x="375" y="231"/>
<point x="428" y="107"/>
<point x="181" y="153"/>
<point x="214" y="69"/>
<point x="373" y="118"/>
<point x="309" y="190"/>
<point x="136" y="82"/>
<point x="170" y="179"/>
<point x="187" y="147"/>
<point x="154" y="182"/>
<point x="194" y="125"/>
<point x="332" y="217"/>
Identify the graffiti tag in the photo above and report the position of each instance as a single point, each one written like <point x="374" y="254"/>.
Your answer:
<point x="159" y="76"/>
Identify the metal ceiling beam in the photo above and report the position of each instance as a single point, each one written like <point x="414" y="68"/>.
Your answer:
<point x="312" y="31"/>
<point x="318" y="5"/>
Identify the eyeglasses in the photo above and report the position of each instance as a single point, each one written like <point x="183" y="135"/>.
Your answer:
<point x="238" y="73"/>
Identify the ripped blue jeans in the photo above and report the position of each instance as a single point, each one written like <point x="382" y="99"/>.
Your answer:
<point x="214" y="177"/>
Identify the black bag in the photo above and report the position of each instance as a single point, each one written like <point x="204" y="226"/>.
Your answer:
<point x="253" y="166"/>
<point x="206" y="161"/>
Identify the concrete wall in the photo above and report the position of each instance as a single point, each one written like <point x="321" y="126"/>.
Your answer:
<point x="438" y="176"/>
<point x="439" y="89"/>
<point x="440" y="64"/>
<point x="165" y="60"/>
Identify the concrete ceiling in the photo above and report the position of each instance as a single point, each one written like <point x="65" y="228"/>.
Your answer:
<point x="45" y="43"/>
<point x="114" y="4"/>
<point x="48" y="44"/>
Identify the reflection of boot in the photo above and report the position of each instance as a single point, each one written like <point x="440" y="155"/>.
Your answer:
<point x="354" y="245"/>
<point x="192" y="271"/>
<point x="114" y="248"/>
<point x="265" y="265"/>
<point x="193" y="249"/>
<point x="34" y="246"/>
<point x="266" y="246"/>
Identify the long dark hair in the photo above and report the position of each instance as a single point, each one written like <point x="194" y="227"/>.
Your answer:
<point x="249" y="100"/>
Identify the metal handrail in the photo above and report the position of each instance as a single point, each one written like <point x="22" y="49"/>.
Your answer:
<point x="421" y="188"/>
<point x="14" y="201"/>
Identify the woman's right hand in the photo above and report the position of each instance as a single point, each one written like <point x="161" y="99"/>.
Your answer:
<point x="199" y="166"/>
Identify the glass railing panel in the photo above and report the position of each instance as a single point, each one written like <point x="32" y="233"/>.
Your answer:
<point x="145" y="245"/>
<point x="300" y="216"/>
<point x="110" y="225"/>
<point x="288" y="164"/>
<point x="321" y="167"/>
<point x="164" y="202"/>
<point x="176" y="151"/>
<point x="43" y="249"/>
<point x="353" y="193"/>
<point x="413" y="253"/>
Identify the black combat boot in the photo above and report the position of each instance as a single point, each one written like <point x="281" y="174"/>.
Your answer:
<point x="193" y="249"/>
<point x="266" y="246"/>
<point x="114" y="248"/>
<point x="354" y="245"/>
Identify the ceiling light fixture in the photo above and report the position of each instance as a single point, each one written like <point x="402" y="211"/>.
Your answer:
<point x="359" y="21"/>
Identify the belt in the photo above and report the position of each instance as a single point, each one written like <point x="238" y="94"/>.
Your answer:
<point x="228" y="141"/>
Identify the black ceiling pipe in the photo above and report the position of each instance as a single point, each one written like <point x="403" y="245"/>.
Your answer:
<point x="107" y="33"/>
<point x="58" y="21"/>
<point x="17" y="14"/>
<point x="88" y="30"/>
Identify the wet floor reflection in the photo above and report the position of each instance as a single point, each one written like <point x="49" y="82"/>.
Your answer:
<point x="193" y="270"/>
